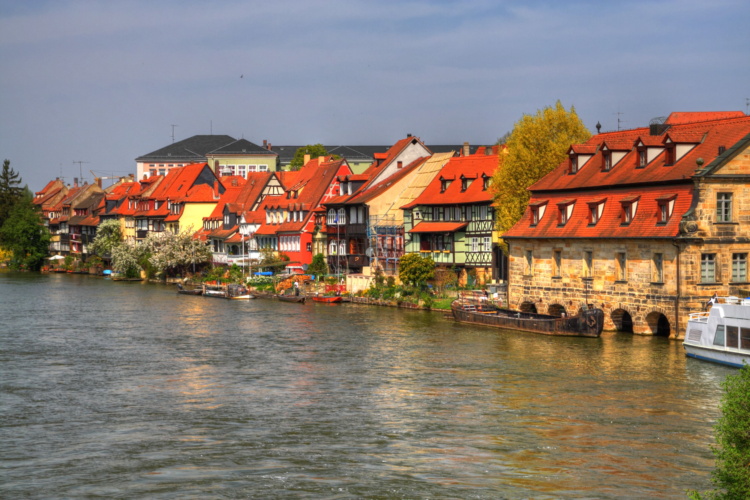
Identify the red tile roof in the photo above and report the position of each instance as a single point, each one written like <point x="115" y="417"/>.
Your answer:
<point x="475" y="168"/>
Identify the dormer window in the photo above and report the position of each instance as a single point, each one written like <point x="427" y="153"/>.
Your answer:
<point x="486" y="179"/>
<point x="537" y="211"/>
<point x="565" y="211"/>
<point x="596" y="209"/>
<point x="465" y="183"/>
<point x="642" y="157"/>
<point x="607" y="157"/>
<point x="666" y="207"/>
<point x="444" y="184"/>
<point x="629" y="209"/>
<point x="669" y="153"/>
<point x="573" y="164"/>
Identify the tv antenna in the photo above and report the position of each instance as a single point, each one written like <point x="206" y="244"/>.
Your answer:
<point x="80" y="170"/>
<point x="619" y="121"/>
<point x="173" y="126"/>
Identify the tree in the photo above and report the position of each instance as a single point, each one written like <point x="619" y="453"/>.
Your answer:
<point x="314" y="150"/>
<point x="536" y="146"/>
<point x="10" y="191"/>
<point x="415" y="270"/>
<point x="108" y="235"/>
<point x="175" y="253"/>
<point x="25" y="235"/>
<point x="126" y="258"/>
<point x="318" y="266"/>
<point x="731" y="476"/>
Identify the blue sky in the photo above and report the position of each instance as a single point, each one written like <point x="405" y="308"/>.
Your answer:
<point x="103" y="82"/>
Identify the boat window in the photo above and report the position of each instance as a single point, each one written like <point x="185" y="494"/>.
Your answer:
<point x="719" y="337"/>
<point x="745" y="339"/>
<point x="733" y="336"/>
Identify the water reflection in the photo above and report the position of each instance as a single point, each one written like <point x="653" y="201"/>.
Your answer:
<point x="129" y="390"/>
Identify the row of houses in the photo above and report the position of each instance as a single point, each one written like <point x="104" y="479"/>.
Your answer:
<point x="359" y="221"/>
<point x="645" y="223"/>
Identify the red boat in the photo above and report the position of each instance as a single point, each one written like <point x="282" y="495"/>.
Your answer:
<point x="328" y="299"/>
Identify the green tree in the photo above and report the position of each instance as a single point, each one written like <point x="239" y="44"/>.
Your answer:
<point x="108" y="235"/>
<point x="11" y="191"/>
<point x="25" y="235"/>
<point x="536" y="146"/>
<point x="731" y="476"/>
<point x="318" y="266"/>
<point x="314" y="150"/>
<point x="415" y="270"/>
<point x="126" y="258"/>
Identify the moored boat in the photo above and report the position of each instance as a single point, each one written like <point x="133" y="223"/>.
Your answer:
<point x="722" y="334"/>
<point x="292" y="298"/>
<point x="238" y="292"/>
<point x="215" y="291"/>
<point x="328" y="299"/>
<point x="185" y="291"/>
<point x="588" y="323"/>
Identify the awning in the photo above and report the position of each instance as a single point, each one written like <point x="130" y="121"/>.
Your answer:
<point x="438" y="227"/>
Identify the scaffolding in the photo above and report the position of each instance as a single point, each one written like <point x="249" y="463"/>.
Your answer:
<point x="385" y="237"/>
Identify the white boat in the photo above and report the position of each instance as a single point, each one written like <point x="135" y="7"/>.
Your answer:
<point x="721" y="335"/>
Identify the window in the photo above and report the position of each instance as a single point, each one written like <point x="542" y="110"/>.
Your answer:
<point x="732" y="333"/>
<point x="642" y="157"/>
<point x="588" y="263"/>
<point x="629" y="209"/>
<point x="529" y="263"/>
<point x="537" y="212"/>
<point x="719" y="335"/>
<point x="486" y="180"/>
<point x="565" y="212"/>
<point x="607" y="155"/>
<point x="242" y="171"/>
<point x="724" y="207"/>
<point x="666" y="207"/>
<point x="708" y="268"/>
<point x="622" y="266"/>
<point x="465" y="183"/>
<point x="596" y="209"/>
<point x="474" y="244"/>
<point x="669" y="154"/>
<point x="444" y="184"/>
<point x="573" y="164"/>
<point x="739" y="267"/>
<point x="557" y="263"/>
<point x="486" y="244"/>
<point x="342" y="216"/>
<point x="658" y="268"/>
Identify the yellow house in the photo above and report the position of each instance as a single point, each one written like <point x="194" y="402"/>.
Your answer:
<point x="240" y="158"/>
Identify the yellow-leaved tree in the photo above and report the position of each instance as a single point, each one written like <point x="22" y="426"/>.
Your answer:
<point x="536" y="146"/>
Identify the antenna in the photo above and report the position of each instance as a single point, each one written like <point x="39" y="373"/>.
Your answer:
<point x="173" y="126"/>
<point x="747" y="104"/>
<point x="619" y="122"/>
<point x="80" y="171"/>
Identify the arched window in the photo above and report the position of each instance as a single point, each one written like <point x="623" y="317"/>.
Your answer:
<point x="342" y="216"/>
<point x="332" y="246"/>
<point x="342" y="247"/>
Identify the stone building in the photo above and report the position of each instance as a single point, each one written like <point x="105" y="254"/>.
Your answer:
<point x="646" y="224"/>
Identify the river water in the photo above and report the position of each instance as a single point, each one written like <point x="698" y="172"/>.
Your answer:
<point x="128" y="390"/>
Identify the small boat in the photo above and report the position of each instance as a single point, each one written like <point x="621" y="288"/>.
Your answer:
<point x="292" y="298"/>
<point x="215" y="291"/>
<point x="238" y="292"/>
<point x="588" y="323"/>
<point x="184" y="291"/>
<point x="328" y="299"/>
<point x="722" y="334"/>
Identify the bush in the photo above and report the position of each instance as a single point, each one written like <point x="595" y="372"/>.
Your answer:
<point x="731" y="476"/>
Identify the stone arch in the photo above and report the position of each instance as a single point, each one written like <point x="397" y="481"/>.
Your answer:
<point x="527" y="307"/>
<point x="622" y="320"/>
<point x="658" y="324"/>
<point x="556" y="310"/>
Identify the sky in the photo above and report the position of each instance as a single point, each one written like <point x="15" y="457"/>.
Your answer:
<point x="91" y="85"/>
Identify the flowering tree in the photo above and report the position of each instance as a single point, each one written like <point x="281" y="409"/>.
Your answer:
<point x="108" y="236"/>
<point x="175" y="253"/>
<point x="126" y="258"/>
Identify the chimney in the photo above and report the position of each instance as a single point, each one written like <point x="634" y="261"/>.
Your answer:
<point x="399" y="164"/>
<point x="265" y="143"/>
<point x="307" y="159"/>
<point x="98" y="181"/>
<point x="270" y="146"/>
<point x="466" y="149"/>
<point x="75" y="182"/>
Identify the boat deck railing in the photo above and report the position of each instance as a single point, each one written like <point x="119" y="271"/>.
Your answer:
<point x="699" y="317"/>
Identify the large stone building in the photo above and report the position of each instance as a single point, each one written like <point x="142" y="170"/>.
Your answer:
<point x="646" y="224"/>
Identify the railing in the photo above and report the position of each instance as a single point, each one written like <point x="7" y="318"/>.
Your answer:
<point x="699" y="317"/>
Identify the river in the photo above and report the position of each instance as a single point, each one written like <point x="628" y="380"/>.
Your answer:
<point x="129" y="390"/>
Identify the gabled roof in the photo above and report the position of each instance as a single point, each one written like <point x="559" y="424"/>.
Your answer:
<point x="476" y="167"/>
<point x="363" y="196"/>
<point x="193" y="149"/>
<point x="713" y="134"/>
